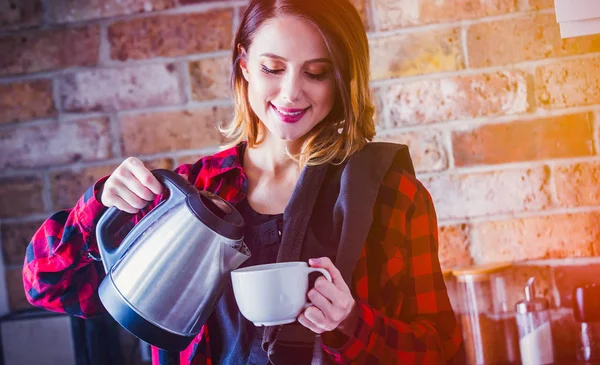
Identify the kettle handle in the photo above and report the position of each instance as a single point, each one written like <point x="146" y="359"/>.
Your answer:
<point x="114" y="219"/>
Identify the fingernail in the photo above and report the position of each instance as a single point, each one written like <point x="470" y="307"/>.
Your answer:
<point x="314" y="261"/>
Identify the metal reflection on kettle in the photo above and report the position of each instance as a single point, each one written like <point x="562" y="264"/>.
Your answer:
<point x="166" y="276"/>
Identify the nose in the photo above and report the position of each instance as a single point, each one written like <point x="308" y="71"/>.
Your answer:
<point x="291" y="88"/>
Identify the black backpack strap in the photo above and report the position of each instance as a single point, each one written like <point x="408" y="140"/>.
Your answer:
<point x="359" y="183"/>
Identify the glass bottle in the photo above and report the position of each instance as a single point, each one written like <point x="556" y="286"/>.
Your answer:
<point x="535" y="331"/>
<point x="586" y="309"/>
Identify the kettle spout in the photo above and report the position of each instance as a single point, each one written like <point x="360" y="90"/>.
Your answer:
<point x="233" y="257"/>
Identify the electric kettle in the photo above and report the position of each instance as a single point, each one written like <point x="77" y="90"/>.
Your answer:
<point x="164" y="279"/>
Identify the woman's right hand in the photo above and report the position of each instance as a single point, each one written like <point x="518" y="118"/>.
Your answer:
<point x="130" y="187"/>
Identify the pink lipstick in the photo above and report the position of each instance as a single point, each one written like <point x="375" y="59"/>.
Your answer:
<point x="289" y="115"/>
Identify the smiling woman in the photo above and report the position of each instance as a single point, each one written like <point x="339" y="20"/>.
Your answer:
<point x="293" y="91"/>
<point x="293" y="58"/>
<point x="301" y="171"/>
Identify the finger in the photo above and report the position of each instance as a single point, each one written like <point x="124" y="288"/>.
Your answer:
<point x="314" y="315"/>
<point x="325" y="263"/>
<point x="322" y="303"/>
<point x="332" y="293"/>
<point x="135" y="185"/>
<point x="129" y="197"/>
<point x="121" y="204"/>
<point x="309" y="324"/>
<point x="144" y="176"/>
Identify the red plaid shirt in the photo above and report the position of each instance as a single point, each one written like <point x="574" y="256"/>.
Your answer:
<point x="405" y="314"/>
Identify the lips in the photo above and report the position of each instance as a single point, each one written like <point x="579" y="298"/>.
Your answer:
<point x="288" y="115"/>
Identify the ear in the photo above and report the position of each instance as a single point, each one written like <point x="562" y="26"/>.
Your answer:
<point x="243" y="61"/>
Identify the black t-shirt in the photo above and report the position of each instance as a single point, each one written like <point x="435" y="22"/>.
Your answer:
<point x="233" y="339"/>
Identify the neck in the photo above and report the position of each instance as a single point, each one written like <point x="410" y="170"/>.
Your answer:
<point x="271" y="157"/>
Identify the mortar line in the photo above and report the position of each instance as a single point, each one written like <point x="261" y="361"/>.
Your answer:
<point x="464" y="46"/>
<point x="47" y="191"/>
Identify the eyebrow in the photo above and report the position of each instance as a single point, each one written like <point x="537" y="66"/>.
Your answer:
<point x="271" y="55"/>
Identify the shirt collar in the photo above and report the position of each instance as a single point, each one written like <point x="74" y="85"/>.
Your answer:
<point x="227" y="160"/>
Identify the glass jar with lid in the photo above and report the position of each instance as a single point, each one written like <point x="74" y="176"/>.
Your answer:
<point x="452" y="289"/>
<point x="487" y="319"/>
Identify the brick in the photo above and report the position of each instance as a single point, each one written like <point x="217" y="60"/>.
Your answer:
<point x="576" y="184"/>
<point x="21" y="196"/>
<point x="416" y="54"/>
<point x="393" y="14"/>
<point x="54" y="144"/>
<point x="547" y="138"/>
<point x="20" y="13"/>
<point x="559" y="236"/>
<point x="516" y="40"/>
<point x="568" y="84"/>
<point x="26" y="100"/>
<point x="436" y="11"/>
<point x="15" y="238"/>
<point x="426" y="148"/>
<point x="210" y="78"/>
<point x="68" y="186"/>
<point x="178" y="34"/>
<point x="462" y="97"/>
<point x="149" y="133"/>
<point x="37" y="51"/>
<point x="121" y="88"/>
<point x="454" y="242"/>
<point x="16" y="293"/>
<point x="541" y="4"/>
<point x="65" y="11"/>
<point x="498" y="192"/>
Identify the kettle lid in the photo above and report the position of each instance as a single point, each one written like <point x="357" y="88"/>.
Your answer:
<point x="217" y="214"/>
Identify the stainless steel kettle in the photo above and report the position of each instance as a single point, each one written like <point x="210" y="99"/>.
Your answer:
<point x="164" y="279"/>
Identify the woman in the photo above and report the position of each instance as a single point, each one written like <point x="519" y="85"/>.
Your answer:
<point x="300" y="81"/>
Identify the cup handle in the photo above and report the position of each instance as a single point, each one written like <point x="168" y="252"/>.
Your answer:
<point x="325" y="274"/>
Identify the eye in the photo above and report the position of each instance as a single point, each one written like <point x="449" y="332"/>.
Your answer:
<point x="267" y="70"/>
<point x="317" y="77"/>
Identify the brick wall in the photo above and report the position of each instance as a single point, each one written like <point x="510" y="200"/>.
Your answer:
<point x="501" y="115"/>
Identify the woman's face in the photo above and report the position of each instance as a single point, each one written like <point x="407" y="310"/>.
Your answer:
<point x="291" y="86"/>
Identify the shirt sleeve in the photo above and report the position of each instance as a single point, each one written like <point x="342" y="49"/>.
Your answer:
<point x="61" y="272"/>
<point x="405" y="316"/>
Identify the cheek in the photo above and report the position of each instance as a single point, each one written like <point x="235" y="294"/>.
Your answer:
<point x="262" y="86"/>
<point x="326" y="95"/>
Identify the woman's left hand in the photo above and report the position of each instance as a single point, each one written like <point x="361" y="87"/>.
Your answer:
<point x="333" y="306"/>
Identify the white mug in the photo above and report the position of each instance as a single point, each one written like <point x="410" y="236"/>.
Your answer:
<point x="273" y="294"/>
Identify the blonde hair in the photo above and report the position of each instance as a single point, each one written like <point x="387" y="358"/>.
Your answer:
<point x="349" y="125"/>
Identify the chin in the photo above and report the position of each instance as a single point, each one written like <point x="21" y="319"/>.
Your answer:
<point x="290" y="133"/>
<point x="289" y="138"/>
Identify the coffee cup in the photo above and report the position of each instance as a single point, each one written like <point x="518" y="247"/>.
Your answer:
<point x="273" y="294"/>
